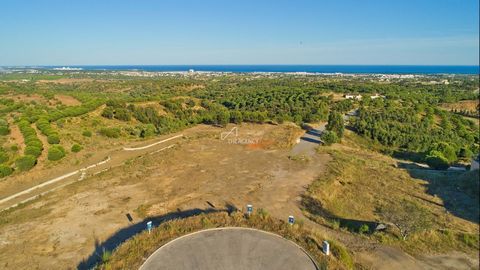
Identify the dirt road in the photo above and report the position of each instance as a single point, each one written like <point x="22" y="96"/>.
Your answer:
<point x="53" y="184"/>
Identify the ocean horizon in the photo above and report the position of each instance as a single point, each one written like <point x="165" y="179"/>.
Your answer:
<point x="351" y="69"/>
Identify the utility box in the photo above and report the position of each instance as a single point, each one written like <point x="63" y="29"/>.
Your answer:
<point x="326" y="248"/>
<point x="149" y="226"/>
<point x="249" y="209"/>
<point x="291" y="220"/>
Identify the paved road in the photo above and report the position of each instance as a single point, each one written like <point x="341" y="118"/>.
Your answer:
<point x="229" y="249"/>
<point x="309" y="141"/>
<point x="311" y="138"/>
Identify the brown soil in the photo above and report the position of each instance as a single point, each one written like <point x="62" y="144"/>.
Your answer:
<point x="200" y="171"/>
<point x="68" y="100"/>
<point x="62" y="228"/>
<point x="15" y="136"/>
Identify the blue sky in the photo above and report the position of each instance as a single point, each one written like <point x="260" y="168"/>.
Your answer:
<point x="418" y="32"/>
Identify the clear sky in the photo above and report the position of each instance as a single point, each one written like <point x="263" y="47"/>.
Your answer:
<point x="82" y="32"/>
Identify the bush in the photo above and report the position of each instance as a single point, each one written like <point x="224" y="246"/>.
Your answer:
<point x="110" y="132"/>
<point x="56" y="152"/>
<point x="14" y="148"/>
<point x="447" y="151"/>
<point x="87" y="133"/>
<point x="465" y="153"/>
<point x="329" y="137"/>
<point x="108" y="113"/>
<point x="122" y="114"/>
<point x="3" y="157"/>
<point x="33" y="151"/>
<point x="53" y="139"/>
<point x="436" y="160"/>
<point x="5" y="171"/>
<point x="4" y="130"/>
<point x="364" y="229"/>
<point x="76" y="148"/>
<point x="147" y="131"/>
<point x="25" y="163"/>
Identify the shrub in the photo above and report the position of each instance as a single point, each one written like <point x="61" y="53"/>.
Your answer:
<point x="147" y="131"/>
<point x="53" y="139"/>
<point x="25" y="163"/>
<point x="465" y="153"/>
<point x="364" y="229"/>
<point x="108" y="113"/>
<point x="43" y="124"/>
<point x="110" y="132"/>
<point x="3" y="157"/>
<point x="33" y="151"/>
<point x="341" y="254"/>
<point x="5" y="171"/>
<point x="56" y="152"/>
<point x="4" y="130"/>
<point x="14" y="148"/>
<point x="122" y="114"/>
<point x="329" y="137"/>
<point x="76" y="148"/>
<point x="87" y="133"/>
<point x="436" y="160"/>
<point x="447" y="151"/>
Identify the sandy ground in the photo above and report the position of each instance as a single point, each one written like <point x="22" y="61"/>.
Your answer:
<point x="202" y="171"/>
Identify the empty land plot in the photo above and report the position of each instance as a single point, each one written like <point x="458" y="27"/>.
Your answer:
<point x="68" y="100"/>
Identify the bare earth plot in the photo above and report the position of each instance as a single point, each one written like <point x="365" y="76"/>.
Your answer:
<point x="70" y="227"/>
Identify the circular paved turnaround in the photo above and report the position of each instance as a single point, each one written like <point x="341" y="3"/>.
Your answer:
<point x="228" y="249"/>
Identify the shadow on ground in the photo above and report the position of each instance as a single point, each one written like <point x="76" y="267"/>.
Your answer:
<point x="459" y="190"/>
<point x="126" y="233"/>
<point x="315" y="207"/>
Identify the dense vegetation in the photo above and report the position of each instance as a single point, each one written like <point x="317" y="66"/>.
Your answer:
<point x="407" y="122"/>
<point x="419" y="129"/>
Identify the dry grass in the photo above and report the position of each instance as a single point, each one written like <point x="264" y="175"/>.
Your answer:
<point x="282" y="136"/>
<point x="469" y="105"/>
<point x="359" y="181"/>
<point x="132" y="253"/>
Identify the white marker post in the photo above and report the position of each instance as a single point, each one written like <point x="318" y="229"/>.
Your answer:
<point x="149" y="226"/>
<point x="291" y="220"/>
<point x="326" y="248"/>
<point x="249" y="209"/>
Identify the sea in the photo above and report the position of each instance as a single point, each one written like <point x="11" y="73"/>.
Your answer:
<point x="349" y="69"/>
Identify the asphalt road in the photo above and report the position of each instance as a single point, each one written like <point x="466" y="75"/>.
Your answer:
<point x="229" y="249"/>
<point x="308" y="142"/>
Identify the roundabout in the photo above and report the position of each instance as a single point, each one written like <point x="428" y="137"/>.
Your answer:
<point x="230" y="248"/>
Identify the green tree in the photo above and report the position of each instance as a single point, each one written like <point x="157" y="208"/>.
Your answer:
<point x="236" y="117"/>
<point x="5" y="171"/>
<point x="76" y="148"/>
<point x="447" y="151"/>
<point x="56" y="152"/>
<point x="335" y="123"/>
<point x="26" y="162"/>
<point x="53" y="139"/>
<point x="436" y="160"/>
<point x="3" y="156"/>
<point x="329" y="137"/>
<point x="108" y="113"/>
